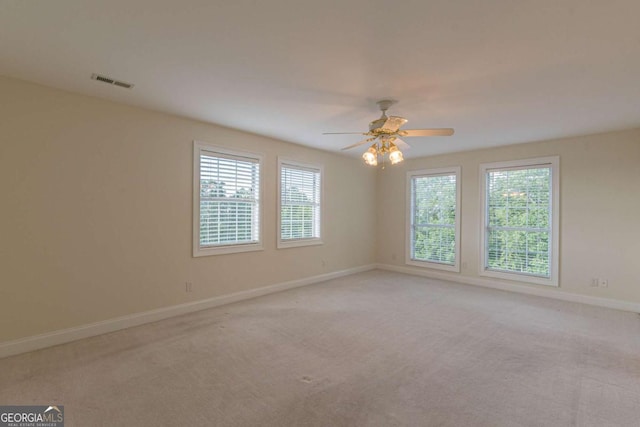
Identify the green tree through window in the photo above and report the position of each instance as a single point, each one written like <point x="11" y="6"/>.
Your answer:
<point x="518" y="220"/>
<point x="300" y="191"/>
<point x="228" y="201"/>
<point x="434" y="210"/>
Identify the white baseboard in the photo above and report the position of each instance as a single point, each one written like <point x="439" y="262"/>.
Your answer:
<point x="36" y="342"/>
<point x="523" y="289"/>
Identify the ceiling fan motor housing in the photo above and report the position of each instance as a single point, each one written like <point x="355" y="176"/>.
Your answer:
<point x="386" y="125"/>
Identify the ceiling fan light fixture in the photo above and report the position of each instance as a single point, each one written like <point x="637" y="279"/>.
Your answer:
<point x="395" y="155"/>
<point x="371" y="156"/>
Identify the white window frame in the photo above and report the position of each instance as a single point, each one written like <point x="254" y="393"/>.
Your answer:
<point x="292" y="243"/>
<point x="553" y="162"/>
<point x="453" y="170"/>
<point x="198" y="251"/>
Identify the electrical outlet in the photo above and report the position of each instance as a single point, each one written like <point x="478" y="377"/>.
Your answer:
<point x="324" y="263"/>
<point x="188" y="287"/>
<point x="594" y="282"/>
<point x="603" y="283"/>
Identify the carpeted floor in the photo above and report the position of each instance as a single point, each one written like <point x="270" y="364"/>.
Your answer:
<point x="371" y="349"/>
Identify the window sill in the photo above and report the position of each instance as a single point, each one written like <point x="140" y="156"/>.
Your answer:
<point x="434" y="265"/>
<point x="296" y="243"/>
<point x="231" y="249"/>
<point x="517" y="277"/>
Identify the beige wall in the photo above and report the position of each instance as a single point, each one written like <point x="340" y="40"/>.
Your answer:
<point x="97" y="206"/>
<point x="599" y="205"/>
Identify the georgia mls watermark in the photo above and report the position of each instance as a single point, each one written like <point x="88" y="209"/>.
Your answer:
<point x="32" y="416"/>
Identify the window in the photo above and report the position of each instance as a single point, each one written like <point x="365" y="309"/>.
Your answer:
<point x="227" y="207"/>
<point x="520" y="220"/>
<point x="299" y="204"/>
<point x="434" y="218"/>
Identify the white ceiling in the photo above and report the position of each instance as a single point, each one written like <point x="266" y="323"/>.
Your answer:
<point x="498" y="71"/>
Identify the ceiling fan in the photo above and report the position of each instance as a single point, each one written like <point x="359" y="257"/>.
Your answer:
<point x="386" y="133"/>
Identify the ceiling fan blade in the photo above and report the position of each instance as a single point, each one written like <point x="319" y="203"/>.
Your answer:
<point x="358" y="143"/>
<point x="401" y="144"/>
<point x="343" y="133"/>
<point x="428" y="132"/>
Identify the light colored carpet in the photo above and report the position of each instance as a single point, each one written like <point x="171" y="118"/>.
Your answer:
<point x="372" y="349"/>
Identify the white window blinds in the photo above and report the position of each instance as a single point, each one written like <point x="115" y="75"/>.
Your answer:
<point x="229" y="199"/>
<point x="518" y="220"/>
<point x="434" y="218"/>
<point x="300" y="191"/>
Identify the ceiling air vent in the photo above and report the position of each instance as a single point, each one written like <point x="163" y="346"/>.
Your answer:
<point x="111" y="81"/>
